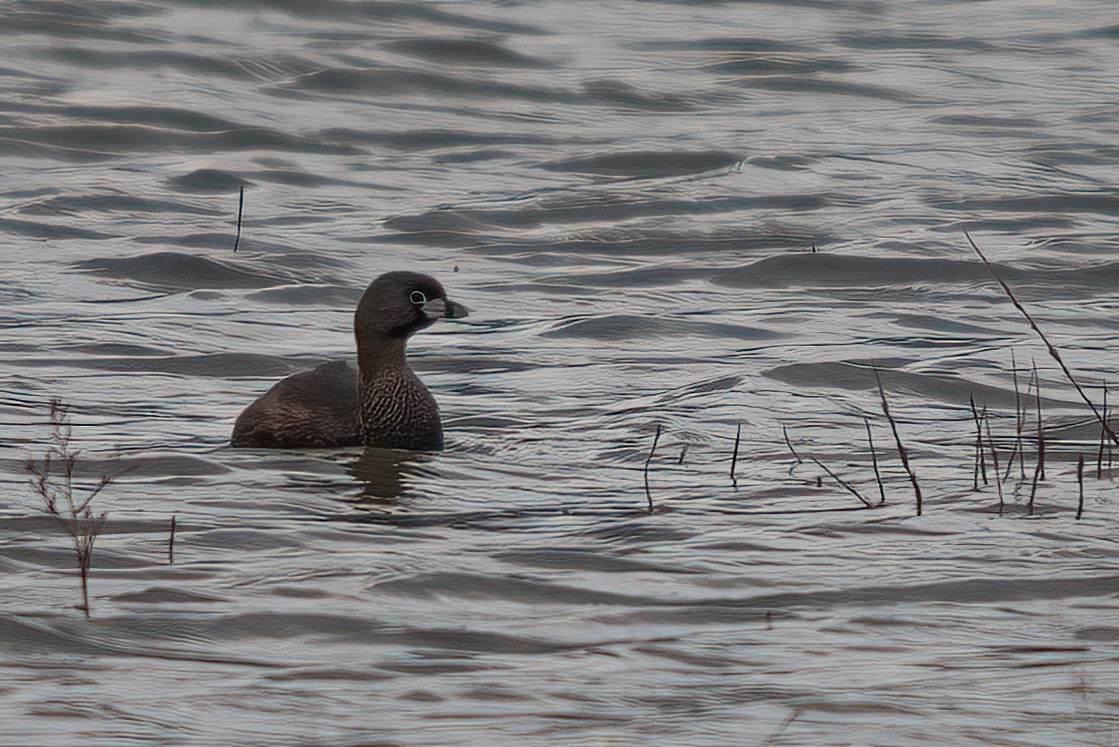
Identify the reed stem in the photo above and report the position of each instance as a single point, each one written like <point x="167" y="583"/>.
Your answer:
<point x="994" y="457"/>
<point x="171" y="543"/>
<point x="1019" y="425"/>
<point x="240" y="215"/>
<point x="789" y="443"/>
<point x="648" y="459"/>
<point x="874" y="462"/>
<point x="1080" y="485"/>
<point x="734" y="456"/>
<point x="1053" y="352"/>
<point x="903" y="453"/>
<point x="846" y="486"/>
<point x="980" y="456"/>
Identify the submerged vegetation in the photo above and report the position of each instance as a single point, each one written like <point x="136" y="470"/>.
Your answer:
<point x="991" y="461"/>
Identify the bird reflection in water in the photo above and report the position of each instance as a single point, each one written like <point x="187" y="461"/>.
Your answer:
<point x="386" y="474"/>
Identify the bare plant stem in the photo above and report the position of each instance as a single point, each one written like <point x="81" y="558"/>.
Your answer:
<point x="1033" y="483"/>
<point x="994" y="457"/>
<point x="1053" y="352"/>
<point x="1019" y="425"/>
<point x="903" y="453"/>
<point x="789" y="443"/>
<point x="843" y="483"/>
<point x="1080" y="485"/>
<point x="240" y="214"/>
<point x="1103" y="439"/>
<point x="874" y="462"/>
<point x="1039" y="468"/>
<point x="52" y="478"/>
<point x="171" y="544"/>
<point x="1040" y="427"/>
<point x="734" y="456"/>
<point x="980" y="456"/>
<point x="648" y="459"/>
<point x="793" y="715"/>
<point x="1107" y="419"/>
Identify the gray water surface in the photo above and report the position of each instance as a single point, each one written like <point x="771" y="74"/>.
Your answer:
<point x="691" y="216"/>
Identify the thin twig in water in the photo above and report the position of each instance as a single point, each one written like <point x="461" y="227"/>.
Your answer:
<point x="789" y="443"/>
<point x="874" y="462"/>
<point x="171" y="543"/>
<point x="846" y="486"/>
<point x="994" y="457"/>
<point x="1040" y="429"/>
<point x="52" y="478"/>
<point x="240" y="214"/>
<point x="1107" y="419"/>
<point x="648" y="459"/>
<point x="734" y="456"/>
<point x="903" y="453"/>
<point x="1033" y="483"/>
<point x="1039" y="468"/>
<point x="980" y="456"/>
<point x="793" y="716"/>
<point x="1080" y="485"/>
<point x="1019" y="425"/>
<point x="683" y="452"/>
<point x="1053" y="352"/>
<point x="1103" y="439"/>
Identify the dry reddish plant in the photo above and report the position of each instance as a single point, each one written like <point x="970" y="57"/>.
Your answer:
<point x="52" y="478"/>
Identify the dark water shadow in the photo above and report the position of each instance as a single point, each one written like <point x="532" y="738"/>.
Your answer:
<point x="384" y="475"/>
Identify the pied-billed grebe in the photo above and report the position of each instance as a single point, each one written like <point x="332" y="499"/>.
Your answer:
<point x="382" y="403"/>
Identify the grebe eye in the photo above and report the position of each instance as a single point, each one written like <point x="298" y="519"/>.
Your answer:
<point x="418" y="298"/>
